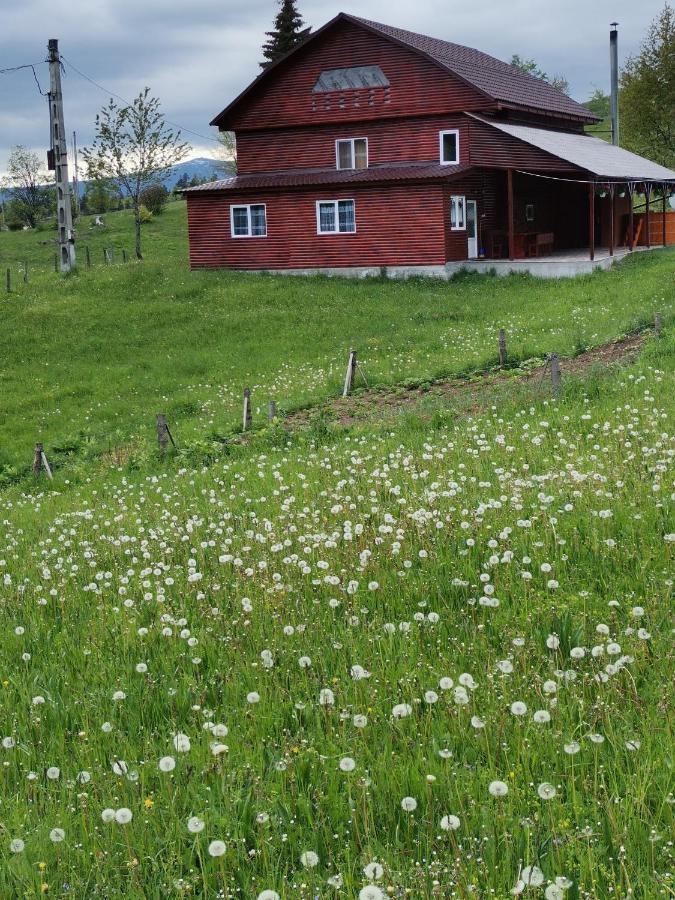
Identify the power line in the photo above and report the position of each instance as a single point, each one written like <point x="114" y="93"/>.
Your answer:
<point x="26" y="66"/>
<point x="128" y="103"/>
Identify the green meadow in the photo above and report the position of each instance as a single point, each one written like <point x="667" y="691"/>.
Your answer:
<point x="423" y="658"/>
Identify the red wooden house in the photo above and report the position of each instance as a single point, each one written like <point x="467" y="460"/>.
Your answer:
<point x="370" y="147"/>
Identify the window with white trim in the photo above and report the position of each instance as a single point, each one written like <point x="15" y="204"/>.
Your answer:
<point x="351" y="153"/>
<point x="449" y="147"/>
<point x="248" y="221"/>
<point x="458" y="213"/>
<point x="335" y="217"/>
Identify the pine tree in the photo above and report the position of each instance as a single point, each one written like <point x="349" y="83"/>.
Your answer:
<point x="289" y="31"/>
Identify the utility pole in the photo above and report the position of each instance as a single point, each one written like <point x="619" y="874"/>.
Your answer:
<point x="614" y="80"/>
<point x="76" y="175"/>
<point x="59" y="161"/>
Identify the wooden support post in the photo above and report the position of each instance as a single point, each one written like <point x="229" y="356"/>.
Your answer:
<point x="37" y="459"/>
<point x="509" y="213"/>
<point x="657" y="325"/>
<point x="271" y="411"/>
<point x="9" y="280"/>
<point x="247" y="417"/>
<point x="162" y="433"/>
<point x="88" y="255"/>
<point x="112" y="255"/>
<point x="648" y="236"/>
<point x="351" y="372"/>
<point x="105" y="256"/>
<point x="502" y="347"/>
<point x="630" y="219"/>
<point x="664" y="220"/>
<point x="591" y="221"/>
<point x="45" y="466"/>
<point x="612" y="192"/>
<point x="555" y="373"/>
<point x="25" y="273"/>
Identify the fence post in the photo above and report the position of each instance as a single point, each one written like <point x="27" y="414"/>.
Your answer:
<point x="105" y="256"/>
<point x="88" y="255"/>
<point x="555" y="373"/>
<point x="25" y="273"/>
<point x="657" y="324"/>
<point x="37" y="459"/>
<point x="112" y="255"/>
<point x="247" y="418"/>
<point x="56" y="262"/>
<point x="502" y="347"/>
<point x="271" y="410"/>
<point x="162" y="433"/>
<point x="351" y="371"/>
<point x="124" y="255"/>
<point x="9" y="280"/>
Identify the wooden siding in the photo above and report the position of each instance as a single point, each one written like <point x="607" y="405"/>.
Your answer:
<point x="399" y="141"/>
<point x="490" y="147"/>
<point x="396" y="225"/>
<point x="417" y="86"/>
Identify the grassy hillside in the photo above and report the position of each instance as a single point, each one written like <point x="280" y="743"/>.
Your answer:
<point x="90" y="359"/>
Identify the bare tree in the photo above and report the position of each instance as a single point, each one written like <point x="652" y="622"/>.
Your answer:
<point x="228" y="143"/>
<point x="27" y="180"/>
<point x="135" y="148"/>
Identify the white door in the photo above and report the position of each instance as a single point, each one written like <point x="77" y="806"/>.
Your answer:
<point x="472" y="228"/>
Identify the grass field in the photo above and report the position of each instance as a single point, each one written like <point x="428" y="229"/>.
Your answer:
<point x="89" y="360"/>
<point x="423" y="658"/>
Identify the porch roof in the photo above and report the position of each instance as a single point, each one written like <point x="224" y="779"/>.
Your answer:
<point x="300" y="178"/>
<point x="603" y="160"/>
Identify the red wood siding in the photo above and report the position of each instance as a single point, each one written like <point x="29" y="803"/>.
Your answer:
<point x="396" y="225"/>
<point x="391" y="141"/>
<point x="490" y="147"/>
<point x="417" y="86"/>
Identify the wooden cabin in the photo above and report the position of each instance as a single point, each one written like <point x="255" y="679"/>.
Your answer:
<point x="370" y="147"/>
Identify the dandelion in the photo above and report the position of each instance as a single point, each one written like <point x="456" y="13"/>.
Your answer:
<point x="546" y="791"/>
<point x="123" y="816"/>
<point x="326" y="697"/>
<point x="552" y="642"/>
<point x="430" y="697"/>
<point x="477" y="723"/>
<point x="409" y="804"/>
<point x="335" y="881"/>
<point x="217" y="848"/>
<point x="633" y="744"/>
<point x="56" y="835"/>
<point x="518" y="708"/>
<point x="445" y="684"/>
<point x="268" y="895"/>
<point x="17" y="845"/>
<point x="532" y="876"/>
<point x="108" y="815"/>
<point x="253" y="697"/>
<point x="360" y="721"/>
<point x="498" y="788"/>
<point x="554" y="892"/>
<point x="401" y="710"/>
<point x="542" y="716"/>
<point x="373" y="871"/>
<point x="450" y="823"/>
<point x="309" y="859"/>
<point x="371" y="892"/>
<point x="347" y="764"/>
<point x="53" y="773"/>
<point x="182" y="743"/>
<point x="167" y="764"/>
<point x="195" y="825"/>
<point x="572" y="747"/>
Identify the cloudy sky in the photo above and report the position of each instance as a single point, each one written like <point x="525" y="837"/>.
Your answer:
<point x="197" y="56"/>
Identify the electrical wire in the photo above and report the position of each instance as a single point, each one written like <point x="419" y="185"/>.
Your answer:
<point x="204" y="137"/>
<point x="30" y="66"/>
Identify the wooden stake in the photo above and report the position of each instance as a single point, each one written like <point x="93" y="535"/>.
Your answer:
<point x="657" y="325"/>
<point x="56" y="262"/>
<point x="124" y="255"/>
<point x="88" y="255"/>
<point x="247" y="417"/>
<point x="37" y="459"/>
<point x="502" y="347"/>
<point x="351" y="372"/>
<point x="9" y="280"/>
<point x="162" y="433"/>
<point x="25" y="273"/>
<point x="555" y="373"/>
<point x="45" y="466"/>
<point x="271" y="410"/>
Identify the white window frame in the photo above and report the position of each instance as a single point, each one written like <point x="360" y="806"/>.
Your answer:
<point x="350" y="141"/>
<point x="319" y="203"/>
<point x="247" y="207"/>
<point x="461" y="200"/>
<point x="441" y="135"/>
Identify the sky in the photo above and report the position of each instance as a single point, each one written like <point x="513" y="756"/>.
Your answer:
<point x="198" y="56"/>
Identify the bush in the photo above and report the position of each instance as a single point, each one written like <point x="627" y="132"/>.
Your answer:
<point x="144" y="214"/>
<point x="155" y="197"/>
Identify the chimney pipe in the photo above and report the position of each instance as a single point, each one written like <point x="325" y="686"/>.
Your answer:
<point x="614" y="80"/>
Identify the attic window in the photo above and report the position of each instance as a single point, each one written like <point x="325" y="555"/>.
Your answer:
<point x="350" y="79"/>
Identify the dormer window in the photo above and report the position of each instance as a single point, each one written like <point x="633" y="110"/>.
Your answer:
<point x="352" y="153"/>
<point x="449" y="147"/>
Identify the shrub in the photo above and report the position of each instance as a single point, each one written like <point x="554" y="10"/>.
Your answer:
<point x="144" y="214"/>
<point x="154" y="198"/>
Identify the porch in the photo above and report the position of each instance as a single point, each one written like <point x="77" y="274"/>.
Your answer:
<point x="559" y="264"/>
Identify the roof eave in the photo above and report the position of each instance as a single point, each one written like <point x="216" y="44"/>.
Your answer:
<point x="591" y="118"/>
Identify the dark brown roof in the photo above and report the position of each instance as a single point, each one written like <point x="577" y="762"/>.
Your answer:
<point x="495" y="79"/>
<point x="318" y="177"/>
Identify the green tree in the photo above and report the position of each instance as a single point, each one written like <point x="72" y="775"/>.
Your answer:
<point x="154" y="198"/>
<point x="530" y="67"/>
<point x="228" y="143"/>
<point x="288" y="32"/>
<point x="101" y="195"/>
<point x="135" y="147"/>
<point x="647" y="95"/>
<point x="598" y="103"/>
<point x="27" y="182"/>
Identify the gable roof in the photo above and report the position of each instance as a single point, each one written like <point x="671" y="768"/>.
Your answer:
<point x="590" y="153"/>
<point x="493" y="78"/>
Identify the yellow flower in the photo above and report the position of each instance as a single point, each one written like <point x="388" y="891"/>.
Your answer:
<point x="149" y="802"/>
<point x="44" y="887"/>
<point x="5" y="683"/>
<point x="42" y="866"/>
